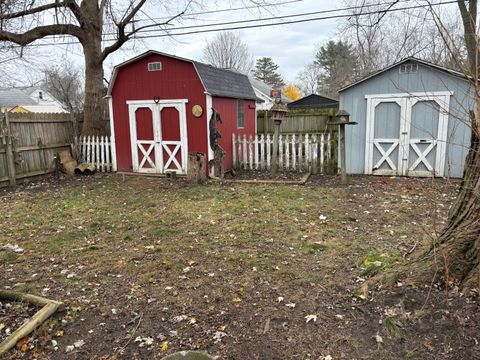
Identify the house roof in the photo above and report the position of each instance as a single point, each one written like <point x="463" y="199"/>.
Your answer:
<point x="13" y="96"/>
<point x="216" y="81"/>
<point x="222" y="82"/>
<point x="265" y="89"/>
<point x="313" y="101"/>
<point x="411" y="59"/>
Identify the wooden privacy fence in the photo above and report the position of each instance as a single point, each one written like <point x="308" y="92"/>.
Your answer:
<point x="305" y="121"/>
<point x="96" y="150"/>
<point x="296" y="152"/>
<point x="28" y="142"/>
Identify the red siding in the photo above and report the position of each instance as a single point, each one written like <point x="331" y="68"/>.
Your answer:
<point x="177" y="80"/>
<point x="228" y="111"/>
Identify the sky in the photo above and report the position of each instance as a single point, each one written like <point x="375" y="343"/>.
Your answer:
<point x="291" y="46"/>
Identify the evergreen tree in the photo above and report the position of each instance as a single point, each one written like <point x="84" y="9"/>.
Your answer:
<point x="339" y="66"/>
<point x="266" y="71"/>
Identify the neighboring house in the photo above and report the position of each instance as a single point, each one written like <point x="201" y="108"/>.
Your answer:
<point x="412" y="121"/>
<point x="313" y="101"/>
<point x="29" y="99"/>
<point x="161" y="106"/>
<point x="263" y="92"/>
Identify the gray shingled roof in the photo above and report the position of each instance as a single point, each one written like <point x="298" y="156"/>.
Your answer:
<point x="222" y="82"/>
<point x="13" y="97"/>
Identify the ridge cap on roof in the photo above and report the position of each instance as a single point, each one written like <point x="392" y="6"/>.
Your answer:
<point x="408" y="58"/>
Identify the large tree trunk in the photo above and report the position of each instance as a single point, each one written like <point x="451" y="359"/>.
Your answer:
<point x="93" y="121"/>
<point x="458" y="247"/>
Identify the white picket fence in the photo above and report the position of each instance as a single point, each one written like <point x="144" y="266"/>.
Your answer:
<point x="296" y="152"/>
<point x="96" y="150"/>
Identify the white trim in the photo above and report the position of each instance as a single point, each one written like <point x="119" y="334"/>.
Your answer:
<point x="156" y="108"/>
<point x="413" y="94"/>
<point x="422" y="62"/>
<point x="209" y="112"/>
<point x="405" y="142"/>
<point x="112" y="135"/>
<point x="152" y="102"/>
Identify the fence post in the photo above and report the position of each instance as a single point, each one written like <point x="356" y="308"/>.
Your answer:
<point x="268" y="151"/>
<point x="262" y="152"/>
<point x="250" y="152"/>
<point x="97" y="150"/>
<point x="239" y="151"/>
<point x="294" y="153"/>
<point x="322" y="152"/>
<point x="307" y="152"/>
<point x="245" y="157"/>
<point x="107" y="154"/>
<point x="300" y="145"/>
<point x="287" y="152"/>
<point x="314" y="154"/>
<point x="234" y="152"/>
<point x="9" y="152"/>
<point x="256" y="151"/>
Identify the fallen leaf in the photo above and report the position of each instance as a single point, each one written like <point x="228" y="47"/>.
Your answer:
<point x="164" y="346"/>
<point x="237" y="299"/>
<point x="311" y="317"/>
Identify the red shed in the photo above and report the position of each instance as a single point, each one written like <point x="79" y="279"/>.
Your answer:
<point x="160" y="109"/>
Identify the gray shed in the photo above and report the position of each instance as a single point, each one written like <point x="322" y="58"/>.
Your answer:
<point x="412" y="121"/>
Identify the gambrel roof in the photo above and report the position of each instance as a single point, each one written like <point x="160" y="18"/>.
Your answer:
<point x="216" y="81"/>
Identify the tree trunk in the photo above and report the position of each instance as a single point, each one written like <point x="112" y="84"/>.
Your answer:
<point x="93" y="122"/>
<point x="458" y="246"/>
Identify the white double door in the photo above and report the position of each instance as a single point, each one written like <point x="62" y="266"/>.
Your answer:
<point x="406" y="134"/>
<point x="158" y="133"/>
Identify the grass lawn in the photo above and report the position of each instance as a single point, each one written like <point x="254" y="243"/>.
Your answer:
<point x="147" y="267"/>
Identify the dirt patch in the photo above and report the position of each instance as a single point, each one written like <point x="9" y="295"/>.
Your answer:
<point x="147" y="267"/>
<point x="265" y="175"/>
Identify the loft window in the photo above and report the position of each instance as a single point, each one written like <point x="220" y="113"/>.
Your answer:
<point x="240" y="114"/>
<point x="40" y="95"/>
<point x="408" y="68"/>
<point x="155" y="66"/>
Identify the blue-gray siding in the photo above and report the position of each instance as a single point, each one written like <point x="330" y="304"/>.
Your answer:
<point x="426" y="79"/>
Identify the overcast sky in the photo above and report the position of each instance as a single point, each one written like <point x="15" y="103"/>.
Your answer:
<point x="291" y="46"/>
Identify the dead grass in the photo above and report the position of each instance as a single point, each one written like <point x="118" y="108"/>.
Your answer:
<point x="222" y="254"/>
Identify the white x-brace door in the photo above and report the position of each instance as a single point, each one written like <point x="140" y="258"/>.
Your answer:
<point x="158" y="155"/>
<point x="412" y="152"/>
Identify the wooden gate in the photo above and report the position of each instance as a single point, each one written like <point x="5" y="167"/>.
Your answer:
<point x="28" y="142"/>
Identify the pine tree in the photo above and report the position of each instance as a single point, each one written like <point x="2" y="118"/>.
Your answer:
<point x="339" y="66"/>
<point x="266" y="71"/>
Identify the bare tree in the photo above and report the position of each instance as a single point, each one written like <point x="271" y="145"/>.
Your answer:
<point x="64" y="82"/>
<point x="308" y="79"/>
<point x="459" y="240"/>
<point x="383" y="37"/>
<point x="228" y="51"/>
<point x="25" y="21"/>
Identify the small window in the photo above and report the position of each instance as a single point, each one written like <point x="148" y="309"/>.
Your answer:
<point x="40" y="95"/>
<point x="155" y="66"/>
<point x="408" y="68"/>
<point x="240" y="114"/>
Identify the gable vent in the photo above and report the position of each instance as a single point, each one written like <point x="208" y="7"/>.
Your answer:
<point x="408" y="68"/>
<point x="155" y="66"/>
